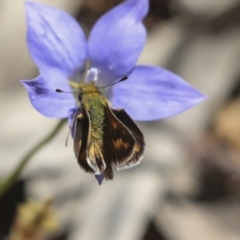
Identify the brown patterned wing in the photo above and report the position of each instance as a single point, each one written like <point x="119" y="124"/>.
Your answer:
<point x="118" y="140"/>
<point x="139" y="145"/>
<point x="81" y="130"/>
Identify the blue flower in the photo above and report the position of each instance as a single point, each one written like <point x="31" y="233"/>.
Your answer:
<point x="60" y="49"/>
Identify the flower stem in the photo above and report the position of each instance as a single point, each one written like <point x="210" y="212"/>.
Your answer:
<point x="9" y="181"/>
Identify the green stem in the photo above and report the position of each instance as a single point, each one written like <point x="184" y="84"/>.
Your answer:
<point x="9" y="181"/>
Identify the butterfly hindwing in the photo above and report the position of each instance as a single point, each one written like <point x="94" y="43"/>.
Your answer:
<point x="93" y="149"/>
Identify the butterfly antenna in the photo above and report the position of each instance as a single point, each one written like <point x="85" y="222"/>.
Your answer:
<point x="121" y="80"/>
<point x="61" y="91"/>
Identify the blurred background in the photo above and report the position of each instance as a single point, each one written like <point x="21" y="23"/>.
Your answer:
<point x="188" y="185"/>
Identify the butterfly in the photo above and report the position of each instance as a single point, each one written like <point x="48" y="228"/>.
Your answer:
<point x="104" y="137"/>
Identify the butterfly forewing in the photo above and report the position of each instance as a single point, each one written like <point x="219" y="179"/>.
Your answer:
<point x="81" y="140"/>
<point x="139" y="144"/>
<point x="118" y="139"/>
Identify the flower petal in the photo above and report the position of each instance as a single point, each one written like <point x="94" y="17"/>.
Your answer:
<point x="153" y="93"/>
<point x="44" y="98"/>
<point x="55" y="39"/>
<point x="99" y="178"/>
<point x="117" y="39"/>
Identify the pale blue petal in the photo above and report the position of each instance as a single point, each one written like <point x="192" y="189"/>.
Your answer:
<point x="117" y="40"/>
<point x="99" y="178"/>
<point x="153" y="93"/>
<point x="44" y="98"/>
<point x="55" y="39"/>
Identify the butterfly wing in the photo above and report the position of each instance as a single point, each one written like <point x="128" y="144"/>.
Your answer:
<point x="139" y="143"/>
<point x="81" y="130"/>
<point x="89" y="150"/>
<point x="123" y="143"/>
<point x="118" y="140"/>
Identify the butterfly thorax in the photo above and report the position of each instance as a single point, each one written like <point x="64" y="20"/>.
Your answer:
<point x="94" y="103"/>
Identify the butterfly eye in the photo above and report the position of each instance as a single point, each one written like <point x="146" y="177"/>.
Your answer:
<point x="80" y="97"/>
